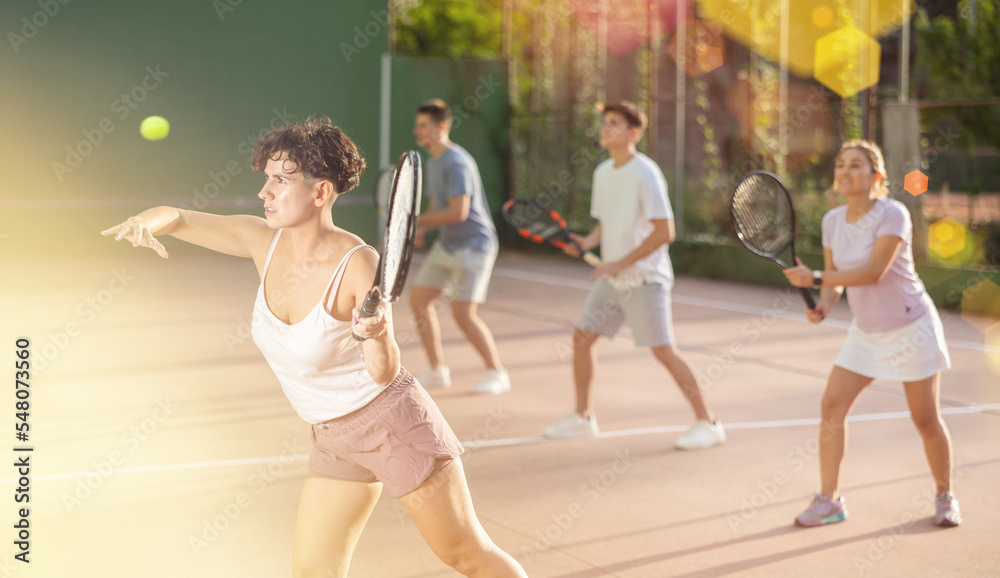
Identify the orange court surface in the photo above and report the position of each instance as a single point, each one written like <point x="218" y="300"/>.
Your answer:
<point x="164" y="447"/>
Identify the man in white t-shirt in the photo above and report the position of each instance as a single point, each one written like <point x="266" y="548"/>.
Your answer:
<point x="634" y="227"/>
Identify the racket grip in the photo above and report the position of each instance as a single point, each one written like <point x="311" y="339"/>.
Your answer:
<point x="369" y="308"/>
<point x="807" y="297"/>
<point x="591" y="259"/>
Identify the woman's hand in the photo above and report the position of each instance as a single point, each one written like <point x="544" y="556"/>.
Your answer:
<point x="135" y="231"/>
<point x="799" y="275"/>
<point x="381" y="350"/>
<point x="818" y="314"/>
<point x="369" y="327"/>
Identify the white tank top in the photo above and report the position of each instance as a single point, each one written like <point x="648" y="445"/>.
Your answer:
<point x="320" y="366"/>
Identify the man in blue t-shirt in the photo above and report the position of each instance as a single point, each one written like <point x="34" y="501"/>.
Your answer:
<point x="461" y="258"/>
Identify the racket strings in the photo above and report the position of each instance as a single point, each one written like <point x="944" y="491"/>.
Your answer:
<point x="755" y="220"/>
<point x="399" y="219"/>
<point x="763" y="216"/>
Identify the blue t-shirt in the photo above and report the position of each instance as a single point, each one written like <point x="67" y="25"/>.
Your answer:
<point x="454" y="174"/>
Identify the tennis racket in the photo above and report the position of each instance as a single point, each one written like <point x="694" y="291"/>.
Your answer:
<point x="397" y="238"/>
<point x="763" y="218"/>
<point x="543" y="226"/>
<point x="383" y="186"/>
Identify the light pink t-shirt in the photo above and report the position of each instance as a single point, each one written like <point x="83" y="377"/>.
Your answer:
<point x="899" y="298"/>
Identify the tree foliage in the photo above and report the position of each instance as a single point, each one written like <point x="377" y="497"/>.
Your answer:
<point x="449" y="28"/>
<point x="959" y="57"/>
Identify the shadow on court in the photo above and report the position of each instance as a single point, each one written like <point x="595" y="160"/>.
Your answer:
<point x="165" y="447"/>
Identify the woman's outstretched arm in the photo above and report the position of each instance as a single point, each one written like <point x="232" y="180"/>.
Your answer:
<point x="237" y="235"/>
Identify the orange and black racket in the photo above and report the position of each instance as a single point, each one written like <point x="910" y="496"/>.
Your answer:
<point x="543" y="226"/>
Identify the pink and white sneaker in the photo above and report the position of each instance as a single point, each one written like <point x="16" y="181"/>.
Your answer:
<point x="948" y="514"/>
<point x="822" y="511"/>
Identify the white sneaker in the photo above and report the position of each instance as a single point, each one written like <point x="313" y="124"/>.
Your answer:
<point x="702" y="435"/>
<point x="435" y="377"/>
<point x="496" y="381"/>
<point x="573" y="426"/>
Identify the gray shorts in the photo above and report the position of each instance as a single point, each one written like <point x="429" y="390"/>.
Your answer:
<point x="645" y="307"/>
<point x="466" y="272"/>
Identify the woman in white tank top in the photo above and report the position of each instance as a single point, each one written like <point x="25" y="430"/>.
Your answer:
<point x="896" y="333"/>
<point x="314" y="275"/>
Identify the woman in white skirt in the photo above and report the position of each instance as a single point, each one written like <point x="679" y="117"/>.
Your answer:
<point x="896" y="333"/>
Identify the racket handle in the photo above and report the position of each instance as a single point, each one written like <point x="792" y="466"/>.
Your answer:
<point x="591" y="259"/>
<point x="807" y="297"/>
<point x="369" y="308"/>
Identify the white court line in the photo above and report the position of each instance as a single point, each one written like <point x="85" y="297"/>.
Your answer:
<point x="545" y="279"/>
<point x="990" y="407"/>
<point x="510" y="442"/>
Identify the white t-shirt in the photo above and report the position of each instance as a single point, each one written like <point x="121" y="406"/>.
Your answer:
<point x="899" y="298"/>
<point x="625" y="200"/>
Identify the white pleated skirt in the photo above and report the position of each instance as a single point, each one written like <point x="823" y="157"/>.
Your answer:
<point x="911" y="353"/>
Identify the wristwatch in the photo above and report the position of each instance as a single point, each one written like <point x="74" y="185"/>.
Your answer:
<point x="817" y="278"/>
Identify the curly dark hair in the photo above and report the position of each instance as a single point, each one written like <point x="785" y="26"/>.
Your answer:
<point x="319" y="149"/>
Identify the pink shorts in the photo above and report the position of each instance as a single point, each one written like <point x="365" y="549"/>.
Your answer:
<point x="398" y="439"/>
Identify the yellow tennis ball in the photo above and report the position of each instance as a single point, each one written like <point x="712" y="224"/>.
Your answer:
<point x="154" y="128"/>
